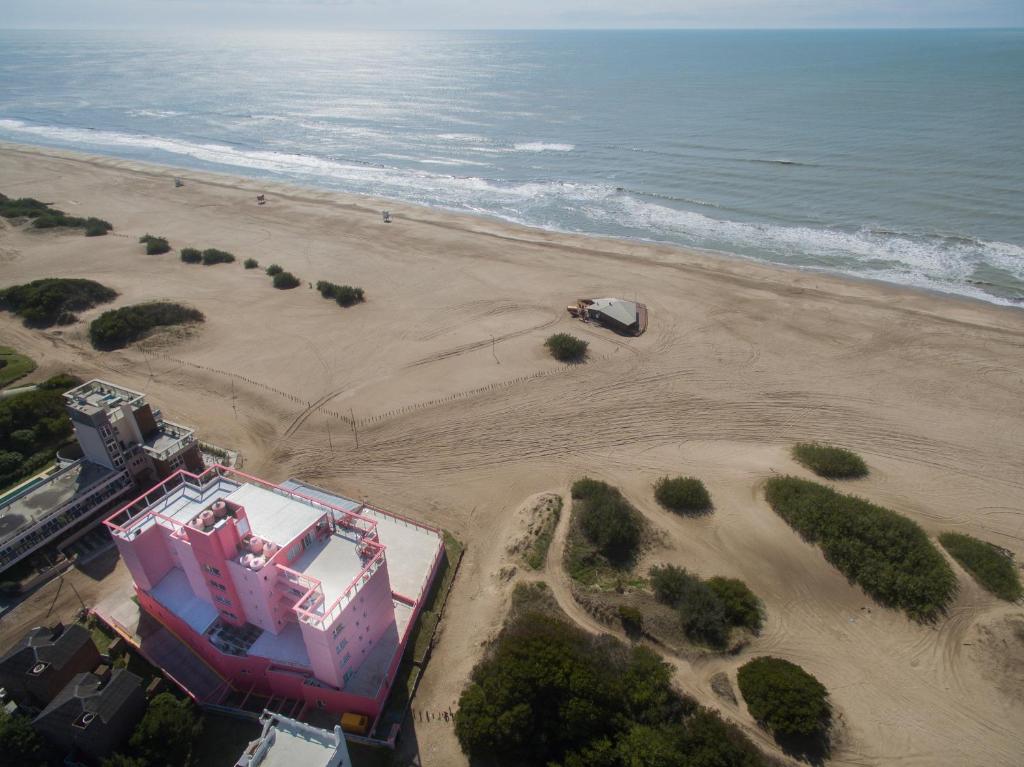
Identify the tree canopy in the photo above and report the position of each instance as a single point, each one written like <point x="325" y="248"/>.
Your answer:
<point x="165" y="734"/>
<point x="548" y="693"/>
<point x="708" y="610"/>
<point x="830" y="462"/>
<point x="784" y="698"/>
<point x="54" y="300"/>
<point x="119" y="327"/>
<point x="683" y="495"/>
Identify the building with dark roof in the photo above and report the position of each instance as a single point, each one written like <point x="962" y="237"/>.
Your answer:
<point x="93" y="715"/>
<point x="44" y="661"/>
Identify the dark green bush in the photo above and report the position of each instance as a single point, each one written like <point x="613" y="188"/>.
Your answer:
<point x="273" y="270"/>
<point x="96" y="227"/>
<point x="54" y="300"/>
<point x="155" y="245"/>
<point x="119" y="327"/>
<point x="213" y="256"/>
<point x="608" y="520"/>
<point x="251" y="263"/>
<point x="548" y="693"/>
<point x="683" y="495"/>
<point x="830" y="462"/>
<point x="166" y="732"/>
<point x="888" y="555"/>
<point x="345" y="295"/>
<point x="285" y="281"/>
<point x="990" y="565"/>
<point x="742" y="607"/>
<point x="708" y="610"/>
<point x="22" y="207"/>
<point x="566" y="348"/>
<point x="191" y="255"/>
<point x="784" y="698"/>
<point x="45" y="217"/>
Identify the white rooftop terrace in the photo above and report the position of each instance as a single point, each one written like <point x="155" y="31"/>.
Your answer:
<point x="101" y="396"/>
<point x="286" y="742"/>
<point x="334" y="561"/>
<point x="274" y="516"/>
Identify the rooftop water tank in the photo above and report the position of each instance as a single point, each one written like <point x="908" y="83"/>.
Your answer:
<point x="257" y="563"/>
<point x="220" y="509"/>
<point x="256" y="545"/>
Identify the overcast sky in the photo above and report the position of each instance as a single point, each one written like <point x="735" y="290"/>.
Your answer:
<point x="505" y="14"/>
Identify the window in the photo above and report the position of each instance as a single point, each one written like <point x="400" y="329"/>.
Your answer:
<point x="211" y="570"/>
<point x="337" y="629"/>
<point x="340" y="647"/>
<point x="344" y="662"/>
<point x="222" y="600"/>
<point x="230" y="614"/>
<point x="219" y="586"/>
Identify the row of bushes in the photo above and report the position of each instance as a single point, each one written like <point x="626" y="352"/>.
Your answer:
<point x="33" y="425"/>
<point x="888" y="555"/>
<point x="54" y="300"/>
<point x="207" y="257"/>
<point x="44" y="216"/>
<point x="119" y="327"/>
<point x="708" y="610"/>
<point x="282" y="280"/>
<point x="549" y="693"/>
<point x="344" y="295"/>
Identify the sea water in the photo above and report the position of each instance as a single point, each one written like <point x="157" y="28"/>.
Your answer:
<point x="894" y="155"/>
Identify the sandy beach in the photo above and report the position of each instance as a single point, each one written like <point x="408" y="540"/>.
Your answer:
<point x="461" y="416"/>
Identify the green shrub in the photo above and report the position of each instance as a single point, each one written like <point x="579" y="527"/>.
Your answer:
<point x="119" y="327"/>
<point x="708" y="610"/>
<point x="784" y="698"/>
<point x="155" y="245"/>
<point x="285" y="281"/>
<point x="165" y="734"/>
<point x="609" y="522"/>
<point x="888" y="555"/>
<point x="53" y="301"/>
<point x="213" y="256"/>
<point x="830" y="462"/>
<point x="191" y="255"/>
<point x="344" y="295"/>
<point x="22" y="207"/>
<point x="548" y="693"/>
<point x="566" y="348"/>
<point x="742" y="607"/>
<point x="990" y="565"/>
<point x="683" y="495"/>
<point x="96" y="227"/>
<point x="273" y="270"/>
<point x="251" y="263"/>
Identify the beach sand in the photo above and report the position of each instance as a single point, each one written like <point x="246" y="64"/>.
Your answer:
<point x="462" y="416"/>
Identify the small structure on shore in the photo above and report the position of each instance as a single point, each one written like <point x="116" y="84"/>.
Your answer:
<point x="627" y="317"/>
<point x="386" y="215"/>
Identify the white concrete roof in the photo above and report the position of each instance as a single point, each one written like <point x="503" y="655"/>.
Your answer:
<point x="286" y="647"/>
<point x="175" y="593"/>
<point x="275" y="516"/>
<point x="334" y="561"/>
<point x="289" y="743"/>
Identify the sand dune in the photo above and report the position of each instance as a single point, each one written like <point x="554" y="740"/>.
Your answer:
<point x="461" y="415"/>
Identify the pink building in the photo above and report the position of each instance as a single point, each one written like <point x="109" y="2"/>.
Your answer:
<point x="284" y="590"/>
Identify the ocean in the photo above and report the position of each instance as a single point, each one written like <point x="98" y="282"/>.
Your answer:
<point x="892" y="155"/>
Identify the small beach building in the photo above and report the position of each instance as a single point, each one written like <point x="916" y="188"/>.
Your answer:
<point x="628" y="317"/>
<point x="284" y="591"/>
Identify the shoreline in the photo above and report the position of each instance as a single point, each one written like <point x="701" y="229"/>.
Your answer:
<point x="591" y="244"/>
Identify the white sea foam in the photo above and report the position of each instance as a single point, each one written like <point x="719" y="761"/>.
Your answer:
<point x="540" y="146"/>
<point x="943" y="263"/>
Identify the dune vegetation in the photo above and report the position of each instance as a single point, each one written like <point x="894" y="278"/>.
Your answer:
<point x="605" y="531"/>
<point x="830" y="462"/>
<point x="547" y="692"/>
<point x="286" y="281"/>
<point x="251" y="263"/>
<point x="683" y="495"/>
<point x="191" y="255"/>
<point x="274" y="269"/>
<point x="54" y="300"/>
<point x="886" y="554"/>
<point x="785" y="699"/>
<point x="988" y="564"/>
<point x="119" y="327"/>
<point x="567" y="348"/>
<point x="155" y="245"/>
<point x="213" y="256"/>
<point x="44" y="216"/>
<point x="708" y="610"/>
<point x="344" y="295"/>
